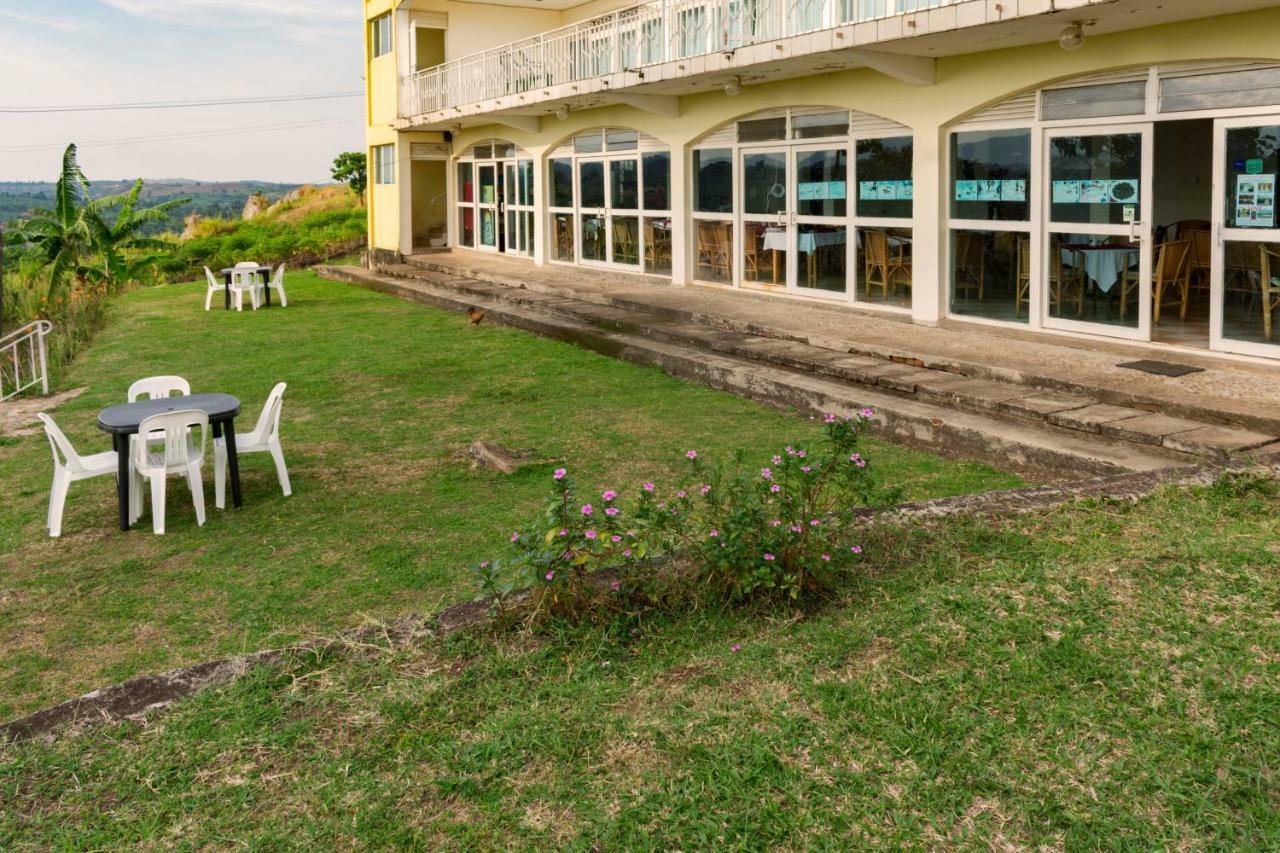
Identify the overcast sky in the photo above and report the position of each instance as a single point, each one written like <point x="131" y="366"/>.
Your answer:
<point x="78" y="52"/>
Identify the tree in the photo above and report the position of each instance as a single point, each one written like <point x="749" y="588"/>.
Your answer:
<point x="352" y="167"/>
<point x="125" y="252"/>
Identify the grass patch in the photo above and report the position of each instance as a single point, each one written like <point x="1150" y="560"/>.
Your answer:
<point x="1098" y="677"/>
<point x="382" y="396"/>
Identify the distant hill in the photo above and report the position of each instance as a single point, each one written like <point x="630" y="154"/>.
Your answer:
<point x="221" y="199"/>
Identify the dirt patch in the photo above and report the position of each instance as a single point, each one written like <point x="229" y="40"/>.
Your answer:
<point x="18" y="417"/>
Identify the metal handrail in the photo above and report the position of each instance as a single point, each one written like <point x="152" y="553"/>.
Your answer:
<point x="33" y="335"/>
<point x="630" y="39"/>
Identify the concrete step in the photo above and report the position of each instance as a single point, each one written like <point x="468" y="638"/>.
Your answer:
<point x="1013" y="400"/>
<point x="1030" y="446"/>
<point x="1264" y="421"/>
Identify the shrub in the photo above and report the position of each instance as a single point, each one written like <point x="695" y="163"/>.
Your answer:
<point x="787" y="529"/>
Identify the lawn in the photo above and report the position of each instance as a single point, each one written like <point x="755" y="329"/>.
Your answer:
<point x="1100" y="677"/>
<point x="385" y="515"/>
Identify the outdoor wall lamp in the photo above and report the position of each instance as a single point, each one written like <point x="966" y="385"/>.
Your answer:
<point x="1072" y="37"/>
<point x="562" y="112"/>
<point x="733" y="88"/>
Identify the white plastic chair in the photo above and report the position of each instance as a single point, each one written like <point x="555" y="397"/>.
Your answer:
<point x="180" y="455"/>
<point x="68" y="467"/>
<point x="265" y="438"/>
<point x="159" y="388"/>
<point x="215" y="286"/>
<point x="245" y="281"/>
<point x="277" y="284"/>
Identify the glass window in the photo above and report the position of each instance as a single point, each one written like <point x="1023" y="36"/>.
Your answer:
<point x="820" y="124"/>
<point x="713" y="180"/>
<point x="1095" y="178"/>
<point x="384" y="164"/>
<point x="715" y="251"/>
<point x="820" y="254"/>
<point x="1251" y="291"/>
<point x="466" y="189"/>
<point x="657" y="181"/>
<point x="990" y="275"/>
<point x="624" y="184"/>
<point x="1108" y="99"/>
<point x="488" y="187"/>
<point x="504" y="150"/>
<point x="1251" y="176"/>
<point x="691" y="31"/>
<point x="588" y="143"/>
<point x="466" y="226"/>
<point x="380" y="35"/>
<point x="991" y="174"/>
<point x="590" y="183"/>
<point x="1092" y="277"/>
<point x="1254" y="88"/>
<point x="562" y="236"/>
<point x="562" y="183"/>
<point x="621" y="140"/>
<point x="821" y="188"/>
<point x="483" y="152"/>
<point x="764" y="183"/>
<point x="525" y="168"/>
<point x="762" y="129"/>
<point x="885" y="272"/>
<point x="884" y="172"/>
<point x="657" y="245"/>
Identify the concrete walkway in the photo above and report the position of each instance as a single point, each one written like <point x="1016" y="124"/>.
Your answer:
<point x="1245" y="394"/>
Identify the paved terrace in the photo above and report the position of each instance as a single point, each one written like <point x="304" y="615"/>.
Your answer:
<point x="1234" y="393"/>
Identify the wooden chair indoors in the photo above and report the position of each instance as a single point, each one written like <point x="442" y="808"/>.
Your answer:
<point x="1066" y="281"/>
<point x="751" y="253"/>
<point x="1201" y="259"/>
<point x="624" y="242"/>
<point x="724" y="250"/>
<point x="885" y="267"/>
<point x="971" y="257"/>
<point x="1170" y="276"/>
<point x="657" y="248"/>
<point x="1270" y="283"/>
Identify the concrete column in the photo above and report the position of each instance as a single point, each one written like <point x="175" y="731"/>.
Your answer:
<point x="404" y="190"/>
<point x="681" y="204"/>
<point x="540" y="223"/>
<point x="928" y="276"/>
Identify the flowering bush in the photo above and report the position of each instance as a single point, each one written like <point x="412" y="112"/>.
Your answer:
<point x="786" y="527"/>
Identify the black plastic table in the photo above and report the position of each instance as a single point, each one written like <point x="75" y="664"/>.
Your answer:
<point x="122" y="421"/>
<point x="265" y="272"/>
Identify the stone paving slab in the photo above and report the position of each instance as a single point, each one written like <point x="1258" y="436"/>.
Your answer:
<point x="1216" y="440"/>
<point x="1041" y="405"/>
<point x="1091" y="418"/>
<point x="1148" y="429"/>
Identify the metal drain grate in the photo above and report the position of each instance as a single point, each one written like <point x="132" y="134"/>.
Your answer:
<point x="1161" y="368"/>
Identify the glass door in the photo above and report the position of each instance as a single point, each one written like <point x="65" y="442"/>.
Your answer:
<point x="511" y="225"/>
<point x="487" y="205"/>
<point x="593" y="233"/>
<point x="523" y="194"/>
<point x="1244" y="314"/>
<point x="765" y="254"/>
<point x="820" y="207"/>
<point x="1094" y="271"/>
<point x="624" y="212"/>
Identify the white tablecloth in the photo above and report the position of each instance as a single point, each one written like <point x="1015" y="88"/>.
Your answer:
<point x="775" y="240"/>
<point x="1102" y="265"/>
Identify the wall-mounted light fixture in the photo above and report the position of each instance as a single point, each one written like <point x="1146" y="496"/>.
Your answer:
<point x="733" y="88"/>
<point x="562" y="112"/>
<point x="1072" y="37"/>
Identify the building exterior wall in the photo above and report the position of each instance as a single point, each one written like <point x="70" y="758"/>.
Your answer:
<point x="964" y="85"/>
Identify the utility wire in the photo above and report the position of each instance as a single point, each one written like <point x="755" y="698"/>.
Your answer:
<point x="176" y="105"/>
<point x="224" y="131"/>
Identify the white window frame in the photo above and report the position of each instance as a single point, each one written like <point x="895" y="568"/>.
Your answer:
<point x="384" y="172"/>
<point x="381" y="40"/>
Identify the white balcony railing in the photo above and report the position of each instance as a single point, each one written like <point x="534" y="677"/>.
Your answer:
<point x="630" y="39"/>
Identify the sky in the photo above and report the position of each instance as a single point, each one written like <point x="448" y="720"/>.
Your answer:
<point x="56" y="53"/>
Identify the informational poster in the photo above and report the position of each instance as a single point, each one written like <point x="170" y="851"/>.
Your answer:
<point x="820" y="190"/>
<point x="885" y="190"/>
<point x="991" y="190"/>
<point x="1255" y="201"/>
<point x="486" y="194"/>
<point x="1123" y="191"/>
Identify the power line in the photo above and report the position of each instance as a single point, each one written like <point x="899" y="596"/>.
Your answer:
<point x="175" y="105"/>
<point x="135" y="140"/>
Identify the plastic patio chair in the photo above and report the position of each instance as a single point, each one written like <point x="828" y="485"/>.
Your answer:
<point x="179" y="455"/>
<point x="245" y="281"/>
<point x="277" y="284"/>
<point x="159" y="388"/>
<point x="215" y="286"/>
<point x="265" y="438"/>
<point x="68" y="467"/>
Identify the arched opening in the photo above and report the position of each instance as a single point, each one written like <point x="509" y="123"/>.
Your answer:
<point x="495" y="207"/>
<point x="609" y="201"/>
<point x="1136" y="204"/>
<point x="816" y="201"/>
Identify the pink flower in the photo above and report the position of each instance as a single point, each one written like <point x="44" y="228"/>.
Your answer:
<point x="680" y="493"/>
<point x="777" y="460"/>
<point x="736" y="647"/>
<point x="615" y="538"/>
<point x="615" y="586"/>
<point x="692" y="454"/>
<point x="826" y="558"/>
<point x="790" y="450"/>
<point x="814" y="522"/>
<point x="515" y="537"/>
<point x="829" y="419"/>
<point x="796" y="528"/>
<point x="560" y="472"/>
<point x="775" y="522"/>
<point x="590" y="534"/>
<point x="551" y="576"/>
<point x="800" y="453"/>
<point x="564" y="531"/>
<point x="706" y="487"/>
<point x="648" y="487"/>
<point x="769" y="557"/>
<point x="766" y="473"/>
<point x="857" y="549"/>
<point x="805" y="468"/>
<point x="586" y="509"/>
<point x="609" y="494"/>
<point x="626" y="552"/>
<point x="715" y="533"/>
<point x="868" y="413"/>
<point x="611" y="511"/>
<point x="775" y="488"/>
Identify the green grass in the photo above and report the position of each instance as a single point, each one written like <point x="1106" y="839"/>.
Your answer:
<point x="382" y="397"/>
<point x="1101" y="677"/>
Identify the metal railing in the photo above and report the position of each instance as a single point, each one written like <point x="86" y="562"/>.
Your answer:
<point x="23" y="359"/>
<point x="631" y="39"/>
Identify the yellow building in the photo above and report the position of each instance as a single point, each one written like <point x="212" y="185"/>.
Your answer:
<point x="1100" y="168"/>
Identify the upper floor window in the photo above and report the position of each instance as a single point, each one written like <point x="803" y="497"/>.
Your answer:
<point x="380" y="35"/>
<point x="384" y="164"/>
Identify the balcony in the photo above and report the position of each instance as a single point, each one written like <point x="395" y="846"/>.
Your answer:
<point x="634" y="40"/>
